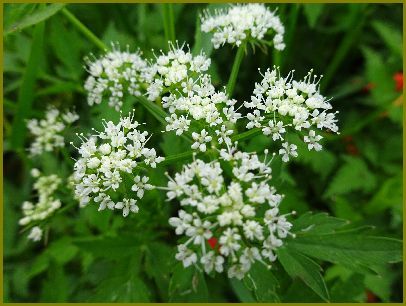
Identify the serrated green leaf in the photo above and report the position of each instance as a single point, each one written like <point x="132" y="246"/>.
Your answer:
<point x="302" y="267"/>
<point x="353" y="175"/>
<point x="31" y="18"/>
<point x="243" y="294"/>
<point x="187" y="285"/>
<point x="319" y="224"/>
<point x="262" y="283"/>
<point x="358" y="252"/>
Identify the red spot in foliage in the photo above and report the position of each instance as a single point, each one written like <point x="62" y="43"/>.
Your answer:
<point x="212" y="242"/>
<point x="350" y="146"/>
<point x="352" y="149"/>
<point x="368" y="87"/>
<point x="398" y="78"/>
<point x="371" y="298"/>
<point x="348" y="138"/>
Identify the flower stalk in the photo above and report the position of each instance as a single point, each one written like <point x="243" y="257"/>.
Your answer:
<point x="236" y="67"/>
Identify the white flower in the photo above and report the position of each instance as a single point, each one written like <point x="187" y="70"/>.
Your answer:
<point x="212" y="262"/>
<point x="48" y="132"/>
<point x="35" y="234"/>
<point x="230" y="241"/>
<point x="114" y="75"/>
<point x="229" y="211"/>
<point x="294" y="105"/>
<point x="109" y="159"/>
<point x="200" y="140"/>
<point x="47" y="204"/>
<point x="312" y="141"/>
<point x="288" y="150"/>
<point x="187" y="256"/>
<point x="241" y="22"/>
<point x="127" y="205"/>
<point x="274" y="129"/>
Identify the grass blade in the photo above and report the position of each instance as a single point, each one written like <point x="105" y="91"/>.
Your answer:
<point x="26" y="92"/>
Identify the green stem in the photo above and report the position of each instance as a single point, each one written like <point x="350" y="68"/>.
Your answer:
<point x="169" y="22"/>
<point x="83" y="29"/>
<point x="236" y="67"/>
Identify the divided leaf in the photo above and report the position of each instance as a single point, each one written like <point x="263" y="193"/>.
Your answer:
<point x="302" y="267"/>
<point x="354" y="251"/>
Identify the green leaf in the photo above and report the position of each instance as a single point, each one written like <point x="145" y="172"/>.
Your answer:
<point x="202" y="41"/>
<point x="358" y="252"/>
<point x="389" y="195"/>
<point x="26" y="92"/>
<point x="187" y="285"/>
<point x="302" y="267"/>
<point x="312" y="13"/>
<point x="241" y="291"/>
<point x="31" y="18"/>
<point x="351" y="289"/>
<point x="377" y="72"/>
<point x="319" y="224"/>
<point x="262" y="283"/>
<point x="109" y="247"/>
<point x="391" y="36"/>
<point x="159" y="262"/>
<point x="353" y="175"/>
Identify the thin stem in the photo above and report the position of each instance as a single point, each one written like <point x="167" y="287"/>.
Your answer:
<point x="82" y="28"/>
<point x="236" y="67"/>
<point x="169" y="22"/>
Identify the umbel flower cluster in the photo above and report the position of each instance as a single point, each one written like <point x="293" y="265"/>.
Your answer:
<point x="108" y="162"/>
<point x="192" y="97"/>
<point x="113" y="75"/>
<point x="229" y="216"/>
<point x="243" y="22"/>
<point x="279" y="104"/>
<point x="48" y="132"/>
<point x="241" y="214"/>
<point x="45" y="187"/>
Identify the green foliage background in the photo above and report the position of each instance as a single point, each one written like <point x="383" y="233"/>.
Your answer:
<point x="94" y="257"/>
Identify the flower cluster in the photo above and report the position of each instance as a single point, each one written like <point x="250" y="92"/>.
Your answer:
<point x="170" y="70"/>
<point x="281" y="103"/>
<point x="108" y="162"/>
<point x="113" y="75"/>
<point x="45" y="187"/>
<point x="48" y="131"/>
<point x="191" y="97"/>
<point x="241" y="216"/>
<point x="243" y="22"/>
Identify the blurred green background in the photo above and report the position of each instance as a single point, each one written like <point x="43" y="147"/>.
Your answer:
<point x="97" y="257"/>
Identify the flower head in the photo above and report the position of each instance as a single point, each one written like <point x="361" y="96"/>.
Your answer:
<point x="243" y="22"/>
<point x="115" y="74"/>
<point x="48" y="132"/>
<point x="241" y="214"/>
<point x="280" y="105"/>
<point x="46" y="204"/>
<point x="108" y="162"/>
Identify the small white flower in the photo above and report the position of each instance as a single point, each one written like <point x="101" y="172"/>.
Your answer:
<point x="288" y="150"/>
<point x="127" y="205"/>
<point x="35" y="234"/>
<point x="313" y="141"/>
<point x="200" y="140"/>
